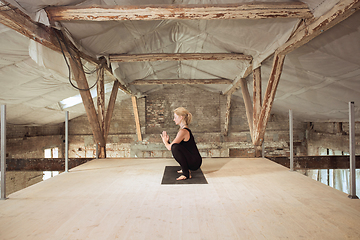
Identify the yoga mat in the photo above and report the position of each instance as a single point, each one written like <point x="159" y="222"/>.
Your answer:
<point x="170" y="176"/>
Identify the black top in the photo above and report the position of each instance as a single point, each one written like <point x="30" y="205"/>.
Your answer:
<point x="190" y="145"/>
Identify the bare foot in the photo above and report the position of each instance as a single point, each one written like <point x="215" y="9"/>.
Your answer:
<point x="180" y="171"/>
<point x="182" y="177"/>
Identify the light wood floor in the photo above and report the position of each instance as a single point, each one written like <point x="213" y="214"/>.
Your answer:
<point x="124" y="199"/>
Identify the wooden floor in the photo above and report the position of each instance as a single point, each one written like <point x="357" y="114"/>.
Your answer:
<point x="123" y="199"/>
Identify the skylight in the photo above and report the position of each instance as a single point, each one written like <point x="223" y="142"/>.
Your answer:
<point x="74" y="100"/>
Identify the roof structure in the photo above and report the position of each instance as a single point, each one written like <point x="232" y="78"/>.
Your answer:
<point x="308" y="53"/>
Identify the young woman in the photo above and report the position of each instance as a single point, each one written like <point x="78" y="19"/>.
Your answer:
<point x="183" y="148"/>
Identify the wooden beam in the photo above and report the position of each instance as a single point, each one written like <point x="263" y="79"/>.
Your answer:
<point x="137" y="120"/>
<point x="178" y="57"/>
<point x="101" y="104"/>
<point x="110" y="108"/>
<point x="15" y="19"/>
<point x="256" y="96"/>
<point x="236" y="83"/>
<point x="341" y="11"/>
<point x="227" y="114"/>
<point x="101" y="96"/>
<point x="233" y="88"/>
<point x="180" y="81"/>
<point x="248" y="104"/>
<point x="255" y="10"/>
<point x="79" y="75"/>
<point x="259" y="129"/>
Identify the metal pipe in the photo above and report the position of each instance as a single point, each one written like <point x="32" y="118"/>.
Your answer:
<point x="3" y="152"/>
<point x="66" y="141"/>
<point x="352" y="151"/>
<point x="263" y="149"/>
<point x="291" y="140"/>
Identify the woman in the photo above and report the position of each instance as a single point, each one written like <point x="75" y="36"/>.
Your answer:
<point x="183" y="147"/>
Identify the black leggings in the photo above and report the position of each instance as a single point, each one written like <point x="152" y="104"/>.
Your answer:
<point x="186" y="160"/>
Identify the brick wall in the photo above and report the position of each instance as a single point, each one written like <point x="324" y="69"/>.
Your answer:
<point x="156" y="115"/>
<point x="329" y="135"/>
<point x="203" y="105"/>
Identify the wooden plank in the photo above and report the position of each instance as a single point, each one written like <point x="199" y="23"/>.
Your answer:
<point x="227" y="114"/>
<point x="248" y="104"/>
<point x="49" y="37"/>
<point x="178" y="57"/>
<point x="110" y="108"/>
<point x="255" y="10"/>
<point x="122" y="198"/>
<point x="180" y="81"/>
<point x="340" y="12"/>
<point x="256" y="95"/>
<point x="79" y="75"/>
<point x="137" y="120"/>
<point x="101" y="104"/>
<point x="259" y="129"/>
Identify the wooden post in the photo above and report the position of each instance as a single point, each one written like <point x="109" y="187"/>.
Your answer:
<point x="101" y="105"/>
<point x="227" y="114"/>
<point x="257" y="105"/>
<point x="247" y="102"/>
<point x="78" y="72"/>
<point x="259" y="129"/>
<point x="111" y="107"/>
<point x="136" y="115"/>
<point x="256" y="94"/>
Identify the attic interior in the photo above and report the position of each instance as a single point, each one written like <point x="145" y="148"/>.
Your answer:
<point x="119" y="68"/>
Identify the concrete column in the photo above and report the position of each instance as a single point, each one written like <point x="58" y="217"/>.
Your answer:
<point x="352" y="151"/>
<point x="3" y="152"/>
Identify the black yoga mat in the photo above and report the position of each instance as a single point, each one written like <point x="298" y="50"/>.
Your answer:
<point x="170" y="176"/>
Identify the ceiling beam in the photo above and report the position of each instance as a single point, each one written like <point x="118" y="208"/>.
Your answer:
<point x="149" y="57"/>
<point x="257" y="10"/>
<point x="307" y="32"/>
<point x="15" y="19"/>
<point x="180" y="81"/>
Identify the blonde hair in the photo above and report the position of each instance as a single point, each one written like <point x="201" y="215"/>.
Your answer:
<point x="180" y="111"/>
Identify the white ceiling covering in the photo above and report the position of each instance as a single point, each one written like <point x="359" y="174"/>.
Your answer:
<point x="318" y="79"/>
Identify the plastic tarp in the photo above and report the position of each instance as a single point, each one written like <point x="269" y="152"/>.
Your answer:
<point x="317" y="82"/>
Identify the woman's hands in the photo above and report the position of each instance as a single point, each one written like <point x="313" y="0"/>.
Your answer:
<point x="165" y="137"/>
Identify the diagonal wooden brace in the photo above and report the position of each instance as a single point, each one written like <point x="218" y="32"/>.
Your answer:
<point x="80" y="78"/>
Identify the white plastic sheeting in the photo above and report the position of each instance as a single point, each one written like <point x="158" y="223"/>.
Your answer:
<point x="318" y="79"/>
